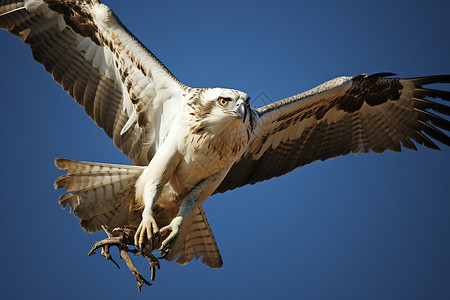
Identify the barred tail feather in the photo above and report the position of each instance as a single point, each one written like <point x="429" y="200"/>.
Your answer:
<point x="196" y="240"/>
<point x="103" y="192"/>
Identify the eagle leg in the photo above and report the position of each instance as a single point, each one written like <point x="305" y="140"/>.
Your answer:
<point x="124" y="239"/>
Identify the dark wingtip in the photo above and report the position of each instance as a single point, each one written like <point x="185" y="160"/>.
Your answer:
<point x="430" y="79"/>
<point x="382" y="74"/>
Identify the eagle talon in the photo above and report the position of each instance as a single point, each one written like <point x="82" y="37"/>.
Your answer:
<point x="148" y="229"/>
<point x="169" y="242"/>
<point x="164" y="249"/>
<point x="163" y="255"/>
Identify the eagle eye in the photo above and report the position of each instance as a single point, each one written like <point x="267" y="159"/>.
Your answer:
<point x="223" y="101"/>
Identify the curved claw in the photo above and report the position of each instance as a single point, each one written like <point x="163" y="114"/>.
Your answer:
<point x="165" y="249"/>
<point x="141" y="245"/>
<point x="163" y="255"/>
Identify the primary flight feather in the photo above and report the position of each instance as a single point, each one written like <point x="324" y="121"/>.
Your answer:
<point x="189" y="143"/>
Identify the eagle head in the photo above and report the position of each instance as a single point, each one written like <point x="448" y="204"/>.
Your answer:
<point x="219" y="109"/>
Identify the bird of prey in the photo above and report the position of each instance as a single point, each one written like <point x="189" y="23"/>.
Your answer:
<point x="186" y="143"/>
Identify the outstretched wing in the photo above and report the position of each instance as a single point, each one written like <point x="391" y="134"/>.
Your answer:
<point x="348" y="114"/>
<point x="122" y="86"/>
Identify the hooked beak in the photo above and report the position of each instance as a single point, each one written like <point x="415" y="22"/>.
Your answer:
<point x="241" y="111"/>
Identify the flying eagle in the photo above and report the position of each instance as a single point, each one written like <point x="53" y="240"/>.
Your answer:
<point x="189" y="143"/>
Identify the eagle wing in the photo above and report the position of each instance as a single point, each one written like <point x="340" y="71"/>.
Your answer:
<point x="347" y="114"/>
<point x="122" y="86"/>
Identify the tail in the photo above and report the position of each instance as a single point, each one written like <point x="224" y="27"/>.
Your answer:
<point x="196" y="240"/>
<point x="103" y="192"/>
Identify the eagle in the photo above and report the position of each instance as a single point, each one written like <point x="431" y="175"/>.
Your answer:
<point x="187" y="143"/>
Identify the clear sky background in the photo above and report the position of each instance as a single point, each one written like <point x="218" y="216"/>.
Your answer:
<point x="355" y="227"/>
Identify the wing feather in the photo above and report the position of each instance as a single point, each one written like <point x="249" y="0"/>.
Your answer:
<point x="121" y="85"/>
<point x="345" y="115"/>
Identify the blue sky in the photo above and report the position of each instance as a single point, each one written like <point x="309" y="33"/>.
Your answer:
<point x="355" y="227"/>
